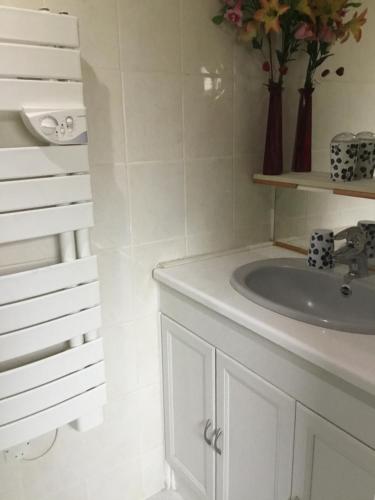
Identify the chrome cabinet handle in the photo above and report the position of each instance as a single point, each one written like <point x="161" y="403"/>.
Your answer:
<point x="206" y="429"/>
<point x="217" y="435"/>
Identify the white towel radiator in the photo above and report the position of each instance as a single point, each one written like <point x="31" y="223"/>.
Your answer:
<point x="49" y="316"/>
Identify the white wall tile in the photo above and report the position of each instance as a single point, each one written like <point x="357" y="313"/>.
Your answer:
<point x="206" y="48"/>
<point x="208" y="116"/>
<point x="153" y="472"/>
<point x="10" y="480"/>
<point x="24" y="4"/>
<point x="150" y="35"/>
<point x="77" y="492"/>
<point x="248" y="63"/>
<point x="115" y="441"/>
<point x="157" y="201"/>
<point x="145" y="258"/>
<point x="121" y="351"/>
<point x="151" y="418"/>
<point x="115" y="268"/>
<point x="148" y="351"/>
<point x="112" y="223"/>
<point x="103" y="98"/>
<point x="250" y="108"/>
<point x="122" y="482"/>
<point x="153" y="116"/>
<point x="252" y="202"/>
<point x="60" y="469"/>
<point x="214" y="241"/>
<point x="253" y="234"/>
<point x="13" y="494"/>
<point x="209" y="186"/>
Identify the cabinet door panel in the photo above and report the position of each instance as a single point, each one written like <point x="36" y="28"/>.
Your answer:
<point x="330" y="464"/>
<point x="189" y="390"/>
<point x="258" y="427"/>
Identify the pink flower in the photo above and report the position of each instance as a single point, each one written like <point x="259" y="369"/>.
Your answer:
<point x="305" y="32"/>
<point x="235" y="14"/>
<point x="326" y="35"/>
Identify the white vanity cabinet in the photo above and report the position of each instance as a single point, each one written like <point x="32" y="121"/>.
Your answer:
<point x="256" y="444"/>
<point x="289" y="407"/>
<point x="231" y="432"/>
<point x="189" y="403"/>
<point x="231" y="435"/>
<point x="329" y="464"/>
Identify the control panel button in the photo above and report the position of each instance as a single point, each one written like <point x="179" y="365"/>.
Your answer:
<point x="69" y="122"/>
<point x="48" y="125"/>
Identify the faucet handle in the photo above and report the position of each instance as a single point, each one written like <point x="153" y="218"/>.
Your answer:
<point x="355" y="237"/>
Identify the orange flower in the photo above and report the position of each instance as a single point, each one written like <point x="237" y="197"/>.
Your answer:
<point x="304" y="8"/>
<point x="270" y="14"/>
<point x="329" y="9"/>
<point x="354" y="26"/>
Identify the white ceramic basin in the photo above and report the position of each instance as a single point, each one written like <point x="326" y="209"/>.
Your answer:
<point x="289" y="287"/>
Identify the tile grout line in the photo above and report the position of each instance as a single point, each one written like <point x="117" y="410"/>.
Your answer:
<point x="234" y="191"/>
<point x="124" y="119"/>
<point x="183" y="128"/>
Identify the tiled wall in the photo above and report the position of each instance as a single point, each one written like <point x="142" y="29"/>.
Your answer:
<point x="176" y="116"/>
<point x="339" y="105"/>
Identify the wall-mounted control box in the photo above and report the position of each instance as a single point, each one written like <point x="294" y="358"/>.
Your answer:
<point x="57" y="126"/>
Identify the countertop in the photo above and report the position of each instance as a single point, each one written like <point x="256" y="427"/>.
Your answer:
<point x="205" y="280"/>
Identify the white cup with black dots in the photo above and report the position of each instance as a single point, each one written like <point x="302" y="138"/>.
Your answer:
<point x="366" y="156"/>
<point x="320" y="255"/>
<point x="343" y="155"/>
<point x="368" y="226"/>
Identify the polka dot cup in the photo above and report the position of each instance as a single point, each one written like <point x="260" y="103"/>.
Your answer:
<point x="321" y="249"/>
<point x="366" y="156"/>
<point x="344" y="154"/>
<point x="368" y="226"/>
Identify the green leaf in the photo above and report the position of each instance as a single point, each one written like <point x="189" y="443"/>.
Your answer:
<point x="280" y="57"/>
<point x="257" y="44"/>
<point x="218" y="19"/>
<point x="355" y="5"/>
<point x="321" y="60"/>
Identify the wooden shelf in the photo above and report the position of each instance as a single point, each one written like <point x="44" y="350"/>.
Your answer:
<point x="319" y="181"/>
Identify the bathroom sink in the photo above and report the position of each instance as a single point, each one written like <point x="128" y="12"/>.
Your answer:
<point x="291" y="288"/>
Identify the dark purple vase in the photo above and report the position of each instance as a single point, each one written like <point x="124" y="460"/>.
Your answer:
<point x="273" y="153"/>
<point x="302" y="145"/>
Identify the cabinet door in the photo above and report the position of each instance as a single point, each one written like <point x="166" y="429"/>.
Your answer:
<point x="257" y="421"/>
<point x="328" y="463"/>
<point x="189" y="392"/>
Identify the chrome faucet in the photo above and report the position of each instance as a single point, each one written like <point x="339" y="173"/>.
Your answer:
<point x="352" y="253"/>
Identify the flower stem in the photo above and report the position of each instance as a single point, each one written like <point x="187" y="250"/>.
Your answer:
<point x="284" y="52"/>
<point x="271" y="56"/>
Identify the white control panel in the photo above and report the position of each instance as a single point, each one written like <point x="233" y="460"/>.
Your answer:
<point x="57" y="126"/>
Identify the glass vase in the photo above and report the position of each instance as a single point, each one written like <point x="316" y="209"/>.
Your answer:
<point x="273" y="153"/>
<point x="302" y="145"/>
